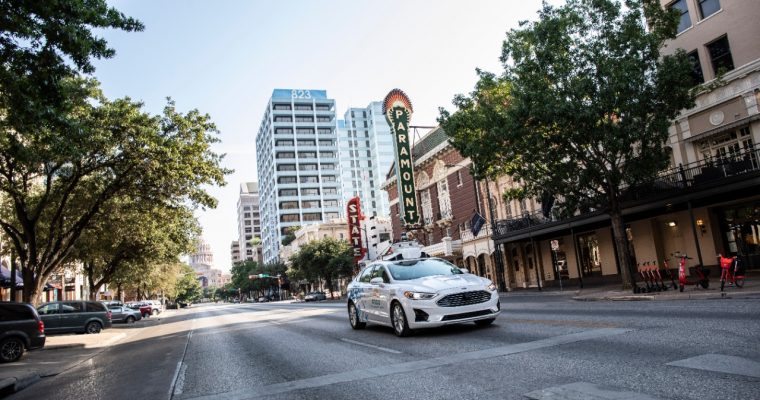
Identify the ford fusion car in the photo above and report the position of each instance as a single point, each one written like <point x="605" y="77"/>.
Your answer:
<point x="419" y="293"/>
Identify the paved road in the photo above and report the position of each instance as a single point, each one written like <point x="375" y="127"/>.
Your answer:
<point x="541" y="346"/>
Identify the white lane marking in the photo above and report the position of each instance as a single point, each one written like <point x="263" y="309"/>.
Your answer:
<point x="585" y="390"/>
<point x="721" y="363"/>
<point x="409" y="367"/>
<point x="371" y="346"/>
<point x="181" y="369"/>
<point x="180" y="385"/>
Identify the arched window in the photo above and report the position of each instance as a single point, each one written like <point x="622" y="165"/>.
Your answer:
<point x="442" y="184"/>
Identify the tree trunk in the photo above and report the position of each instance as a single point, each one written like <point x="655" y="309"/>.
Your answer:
<point x="32" y="286"/>
<point x="623" y="252"/>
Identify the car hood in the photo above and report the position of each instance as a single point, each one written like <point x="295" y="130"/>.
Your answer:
<point x="432" y="284"/>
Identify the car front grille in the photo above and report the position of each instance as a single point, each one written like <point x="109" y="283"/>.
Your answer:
<point x="464" y="299"/>
<point x="453" y="317"/>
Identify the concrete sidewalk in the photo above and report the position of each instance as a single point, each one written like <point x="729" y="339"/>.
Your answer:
<point x="615" y="292"/>
<point x="65" y="351"/>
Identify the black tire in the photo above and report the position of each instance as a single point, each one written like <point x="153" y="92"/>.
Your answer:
<point x="704" y="283"/>
<point x="680" y="288"/>
<point x="154" y="312"/>
<point x="398" y="320"/>
<point x="485" y="322"/>
<point x="739" y="282"/>
<point x="130" y="320"/>
<point x="92" y="327"/>
<point x="146" y="315"/>
<point x="353" y="317"/>
<point x="11" y="349"/>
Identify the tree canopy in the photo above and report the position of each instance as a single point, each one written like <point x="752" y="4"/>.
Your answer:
<point x="326" y="258"/>
<point x="582" y="110"/>
<point x="66" y="151"/>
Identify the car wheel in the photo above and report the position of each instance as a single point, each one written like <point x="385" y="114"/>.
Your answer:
<point x="11" y="349"/>
<point x="93" y="327"/>
<point x="130" y="319"/>
<point x="398" y="318"/>
<point x="146" y="315"/>
<point x="485" y="322"/>
<point x="353" y="317"/>
<point x="154" y="312"/>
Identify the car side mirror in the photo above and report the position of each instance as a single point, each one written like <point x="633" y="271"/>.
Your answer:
<point x="464" y="270"/>
<point x="376" y="281"/>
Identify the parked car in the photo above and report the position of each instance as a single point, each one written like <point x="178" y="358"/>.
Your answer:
<point x="146" y="310"/>
<point x="420" y="293"/>
<point x="21" y="328"/>
<point x="74" y="316"/>
<point x="124" y="314"/>
<point x="314" y="296"/>
<point x="263" y="299"/>
<point x="155" y="306"/>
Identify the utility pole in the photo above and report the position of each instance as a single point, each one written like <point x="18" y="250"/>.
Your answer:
<point x="497" y="250"/>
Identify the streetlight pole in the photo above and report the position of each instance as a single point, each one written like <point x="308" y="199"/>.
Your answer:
<point x="497" y="250"/>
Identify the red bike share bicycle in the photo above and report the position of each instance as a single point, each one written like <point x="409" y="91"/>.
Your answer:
<point x="730" y="271"/>
<point x="698" y="275"/>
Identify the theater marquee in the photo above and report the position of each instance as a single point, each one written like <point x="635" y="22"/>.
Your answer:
<point x="398" y="112"/>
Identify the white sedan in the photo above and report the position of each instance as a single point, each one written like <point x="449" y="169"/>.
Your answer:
<point x="420" y="293"/>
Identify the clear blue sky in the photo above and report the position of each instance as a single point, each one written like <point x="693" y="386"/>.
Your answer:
<point x="225" y="58"/>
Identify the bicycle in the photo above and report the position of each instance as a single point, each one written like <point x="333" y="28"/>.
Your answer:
<point x="700" y="273"/>
<point x="734" y="276"/>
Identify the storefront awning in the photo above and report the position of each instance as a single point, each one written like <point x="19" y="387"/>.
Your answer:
<point x="724" y="128"/>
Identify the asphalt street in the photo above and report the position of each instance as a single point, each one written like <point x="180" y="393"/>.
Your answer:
<point x="540" y="347"/>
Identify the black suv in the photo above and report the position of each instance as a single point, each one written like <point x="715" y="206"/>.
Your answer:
<point x="75" y="316"/>
<point x="20" y="328"/>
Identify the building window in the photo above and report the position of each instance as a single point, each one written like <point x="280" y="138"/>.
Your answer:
<point x="330" y="191"/>
<point x="286" y="179"/>
<point x="286" y="167"/>
<point x="307" y="154"/>
<point x="310" y="204"/>
<point x="427" y="207"/>
<point x="310" y="192"/>
<point x="309" y="179"/>
<point x="323" y="142"/>
<point x="696" y="68"/>
<point x="330" y="216"/>
<point x="289" y="218"/>
<point x="708" y="7"/>
<point x="288" y="192"/>
<point x="283" y="154"/>
<point x="720" y="56"/>
<point x="247" y="215"/>
<point x="444" y="199"/>
<point x="312" y="217"/>
<point x="305" y="131"/>
<point x="331" y="203"/>
<point x="307" y="167"/>
<point x="303" y="118"/>
<point x="459" y="178"/>
<point x="305" y="142"/>
<point x="288" y="205"/>
<point x="283" y="119"/>
<point x="680" y="6"/>
<point x="281" y="143"/>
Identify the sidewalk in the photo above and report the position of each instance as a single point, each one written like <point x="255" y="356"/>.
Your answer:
<point x="65" y="351"/>
<point x="615" y="292"/>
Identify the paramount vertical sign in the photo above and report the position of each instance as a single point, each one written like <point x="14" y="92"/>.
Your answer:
<point x="354" y="212"/>
<point x="398" y="112"/>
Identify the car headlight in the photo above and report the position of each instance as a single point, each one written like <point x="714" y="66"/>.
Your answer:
<point x="418" y="295"/>
<point x="491" y="287"/>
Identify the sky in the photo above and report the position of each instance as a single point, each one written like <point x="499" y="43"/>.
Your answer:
<point x="224" y="58"/>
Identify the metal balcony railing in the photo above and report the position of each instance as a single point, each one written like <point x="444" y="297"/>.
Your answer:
<point x="699" y="174"/>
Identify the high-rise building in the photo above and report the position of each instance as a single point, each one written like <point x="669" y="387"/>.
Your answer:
<point x="235" y="252"/>
<point x="249" y="221"/>
<point x="365" y="148"/>
<point x="296" y="154"/>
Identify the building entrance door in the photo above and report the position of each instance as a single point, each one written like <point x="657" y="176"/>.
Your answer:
<point x="588" y="251"/>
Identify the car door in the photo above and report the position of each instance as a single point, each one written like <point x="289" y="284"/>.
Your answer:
<point x="72" y="316"/>
<point x="380" y="295"/>
<point x="49" y="313"/>
<point x="118" y="313"/>
<point x="361" y="290"/>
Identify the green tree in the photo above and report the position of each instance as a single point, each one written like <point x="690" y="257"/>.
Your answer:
<point x="187" y="288"/>
<point x="290" y="235"/>
<point x="327" y="258"/>
<point x="129" y="234"/>
<point x="582" y="110"/>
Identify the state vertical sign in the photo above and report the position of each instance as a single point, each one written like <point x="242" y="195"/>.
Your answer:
<point x="398" y="112"/>
<point x="354" y="213"/>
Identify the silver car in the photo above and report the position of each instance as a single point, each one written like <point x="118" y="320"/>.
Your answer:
<point x="124" y="314"/>
<point x="420" y="293"/>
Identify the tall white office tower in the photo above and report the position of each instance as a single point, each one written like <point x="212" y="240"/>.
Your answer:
<point x="249" y="221"/>
<point x="297" y="160"/>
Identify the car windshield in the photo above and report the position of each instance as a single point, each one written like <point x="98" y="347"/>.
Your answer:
<point x="414" y="269"/>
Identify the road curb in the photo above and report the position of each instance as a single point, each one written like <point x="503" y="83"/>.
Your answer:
<point x="667" y="297"/>
<point x="17" y="383"/>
